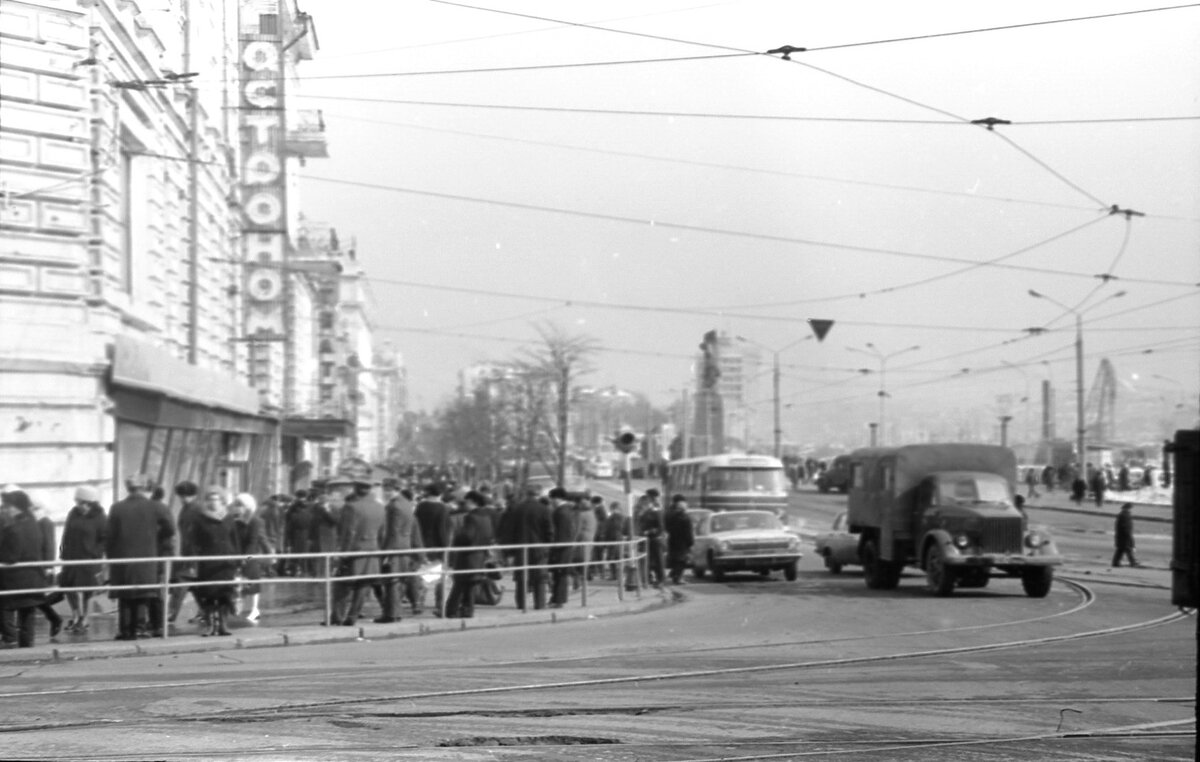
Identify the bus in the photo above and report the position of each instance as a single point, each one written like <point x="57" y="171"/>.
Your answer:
<point x="730" y="482"/>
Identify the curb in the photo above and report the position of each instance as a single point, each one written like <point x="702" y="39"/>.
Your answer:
<point x="258" y="637"/>
<point x="1108" y="514"/>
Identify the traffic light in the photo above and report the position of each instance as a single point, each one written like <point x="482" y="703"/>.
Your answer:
<point x="625" y="441"/>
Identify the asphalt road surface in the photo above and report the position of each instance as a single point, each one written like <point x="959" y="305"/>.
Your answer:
<point x="750" y="668"/>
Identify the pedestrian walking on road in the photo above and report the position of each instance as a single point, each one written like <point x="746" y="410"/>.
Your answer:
<point x="1124" y="537"/>
<point x="1098" y="486"/>
<point x="1031" y="481"/>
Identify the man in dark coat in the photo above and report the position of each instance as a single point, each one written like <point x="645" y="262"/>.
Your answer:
<point x="400" y="532"/>
<point x="650" y="525"/>
<point x="566" y="529"/>
<point x="189" y="510"/>
<point x="21" y="541"/>
<point x="433" y="518"/>
<point x="528" y="522"/>
<point x="359" y="528"/>
<point x="617" y="528"/>
<point x="680" y="537"/>
<point x="471" y="540"/>
<point x="1124" y="536"/>
<point x="138" y="527"/>
<point x="297" y="534"/>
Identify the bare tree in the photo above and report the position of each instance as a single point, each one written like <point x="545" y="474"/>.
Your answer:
<point x="555" y="365"/>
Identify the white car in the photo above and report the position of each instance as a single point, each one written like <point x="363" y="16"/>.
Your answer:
<point x="755" y="541"/>
<point x="599" y="469"/>
<point x="838" y="546"/>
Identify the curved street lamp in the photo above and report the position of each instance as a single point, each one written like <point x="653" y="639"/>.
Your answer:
<point x="882" y="375"/>
<point x="775" y="384"/>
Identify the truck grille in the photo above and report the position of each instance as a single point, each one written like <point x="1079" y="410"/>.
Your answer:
<point x="1001" y="535"/>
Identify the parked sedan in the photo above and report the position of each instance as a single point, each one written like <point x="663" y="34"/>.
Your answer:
<point x="838" y="546"/>
<point x="732" y="541"/>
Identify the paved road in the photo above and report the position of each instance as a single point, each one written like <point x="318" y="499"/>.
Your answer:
<point x="746" y="669"/>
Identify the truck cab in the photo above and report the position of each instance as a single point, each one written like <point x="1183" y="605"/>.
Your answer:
<point x="949" y="510"/>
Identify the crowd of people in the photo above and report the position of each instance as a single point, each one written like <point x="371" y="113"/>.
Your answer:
<point x="216" y="548"/>
<point x="1092" y="482"/>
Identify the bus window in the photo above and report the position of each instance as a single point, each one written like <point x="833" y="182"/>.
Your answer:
<point x="745" y="480"/>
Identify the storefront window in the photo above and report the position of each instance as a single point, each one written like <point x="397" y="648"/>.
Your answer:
<point x="131" y="451"/>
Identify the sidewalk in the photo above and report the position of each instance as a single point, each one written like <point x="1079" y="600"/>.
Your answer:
<point x="1149" y="505"/>
<point x="291" y="616"/>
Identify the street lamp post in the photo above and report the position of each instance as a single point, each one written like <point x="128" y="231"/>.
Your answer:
<point x="882" y="377"/>
<point x="1080" y="427"/>
<point x="775" y="385"/>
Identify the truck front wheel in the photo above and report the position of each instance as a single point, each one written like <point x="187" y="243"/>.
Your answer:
<point x="939" y="578"/>
<point x="1037" y="581"/>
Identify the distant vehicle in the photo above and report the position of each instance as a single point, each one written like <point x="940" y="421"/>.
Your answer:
<point x="836" y="476"/>
<point x="730" y="482"/>
<point x="838" y="546"/>
<point x="730" y="541"/>
<point x="947" y="508"/>
<point x="599" y="469"/>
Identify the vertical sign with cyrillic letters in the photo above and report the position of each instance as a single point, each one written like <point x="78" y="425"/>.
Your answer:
<point x="263" y="181"/>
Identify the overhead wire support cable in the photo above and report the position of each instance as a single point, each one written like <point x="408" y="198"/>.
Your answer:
<point x="715" y="231"/>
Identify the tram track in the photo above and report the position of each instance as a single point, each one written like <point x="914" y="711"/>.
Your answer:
<point x="1087" y="598"/>
<point x="294" y="710"/>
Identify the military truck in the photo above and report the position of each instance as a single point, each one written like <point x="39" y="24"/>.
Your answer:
<point x="948" y="509"/>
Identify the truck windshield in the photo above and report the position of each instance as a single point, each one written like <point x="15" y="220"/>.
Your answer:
<point x="982" y="488"/>
<point x="745" y="480"/>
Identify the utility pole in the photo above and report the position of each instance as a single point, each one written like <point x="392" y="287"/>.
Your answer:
<point x="193" y="213"/>
<point x="778" y="425"/>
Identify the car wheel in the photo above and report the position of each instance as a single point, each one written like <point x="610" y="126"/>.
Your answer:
<point x="834" y="567"/>
<point x="791" y="571"/>
<point x="698" y="572"/>
<point x="1037" y="582"/>
<point x="939" y="578"/>
<point x="764" y="572"/>
<point x="717" y="574"/>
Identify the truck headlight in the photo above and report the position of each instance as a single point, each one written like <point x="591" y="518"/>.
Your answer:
<point x="722" y="547"/>
<point x="1034" y="540"/>
<point x="961" y="541"/>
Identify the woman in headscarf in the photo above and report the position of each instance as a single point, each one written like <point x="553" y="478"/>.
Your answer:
<point x="212" y="535"/>
<point x="21" y="541"/>
<point x="250" y="535"/>
<point x="83" y="539"/>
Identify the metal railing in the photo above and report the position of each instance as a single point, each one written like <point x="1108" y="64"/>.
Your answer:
<point x="630" y="563"/>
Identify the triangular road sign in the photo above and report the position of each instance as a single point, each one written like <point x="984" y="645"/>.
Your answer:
<point x="820" y="327"/>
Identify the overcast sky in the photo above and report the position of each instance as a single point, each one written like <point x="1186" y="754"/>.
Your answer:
<point x="494" y="181"/>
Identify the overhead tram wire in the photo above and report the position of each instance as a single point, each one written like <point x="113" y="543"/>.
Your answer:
<point x="735" y="167"/>
<point x="516" y="33"/>
<point x="651" y="223"/>
<point x="786" y="57"/>
<point x="1001" y="28"/>
<point x="840" y="46"/>
<point x="922" y="281"/>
